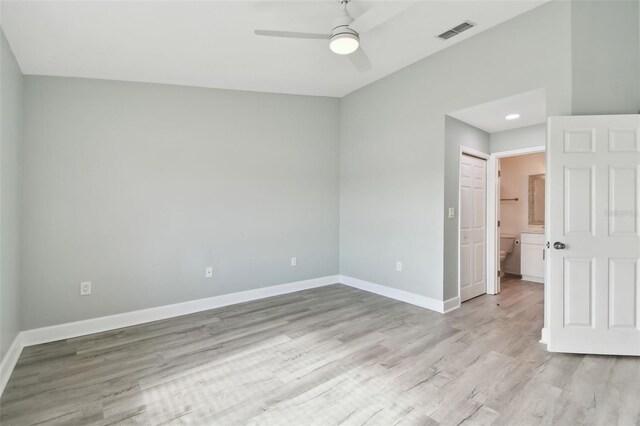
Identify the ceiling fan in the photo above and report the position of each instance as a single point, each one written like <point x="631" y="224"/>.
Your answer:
<point x="344" y="38"/>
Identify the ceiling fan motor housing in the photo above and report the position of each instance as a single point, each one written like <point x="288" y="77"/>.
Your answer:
<point x="341" y="25"/>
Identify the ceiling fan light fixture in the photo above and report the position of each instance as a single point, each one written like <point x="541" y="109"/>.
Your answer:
<point x="344" y="43"/>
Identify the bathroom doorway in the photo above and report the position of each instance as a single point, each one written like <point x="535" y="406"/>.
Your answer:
<point x="519" y="211"/>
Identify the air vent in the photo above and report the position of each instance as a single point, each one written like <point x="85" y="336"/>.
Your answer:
<point x="456" y="30"/>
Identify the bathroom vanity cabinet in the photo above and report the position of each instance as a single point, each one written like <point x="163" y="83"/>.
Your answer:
<point x="532" y="256"/>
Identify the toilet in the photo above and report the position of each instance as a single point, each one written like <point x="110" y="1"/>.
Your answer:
<point x="506" y="247"/>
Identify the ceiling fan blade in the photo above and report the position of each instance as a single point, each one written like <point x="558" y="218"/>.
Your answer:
<point x="379" y="15"/>
<point x="289" y="34"/>
<point x="360" y="60"/>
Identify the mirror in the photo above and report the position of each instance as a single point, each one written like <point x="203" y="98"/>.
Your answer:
<point x="536" y="199"/>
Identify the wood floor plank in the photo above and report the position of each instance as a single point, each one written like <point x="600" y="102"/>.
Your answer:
<point x="328" y="356"/>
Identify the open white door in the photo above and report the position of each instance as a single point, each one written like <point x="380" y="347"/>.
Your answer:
<point x="594" y="231"/>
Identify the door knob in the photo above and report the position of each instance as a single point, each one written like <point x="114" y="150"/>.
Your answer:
<point x="559" y="246"/>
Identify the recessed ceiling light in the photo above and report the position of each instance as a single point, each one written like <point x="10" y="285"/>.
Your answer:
<point x="512" y="116"/>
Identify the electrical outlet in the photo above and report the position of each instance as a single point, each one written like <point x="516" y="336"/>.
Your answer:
<point x="85" y="288"/>
<point x="208" y="273"/>
<point x="294" y="261"/>
<point x="399" y="266"/>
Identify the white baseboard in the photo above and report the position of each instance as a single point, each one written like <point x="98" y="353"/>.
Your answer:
<point x="533" y="279"/>
<point x="96" y="325"/>
<point x="127" y="319"/>
<point x="451" y="304"/>
<point x="111" y="322"/>
<point x="393" y="293"/>
<point x="544" y="336"/>
<point x="9" y="361"/>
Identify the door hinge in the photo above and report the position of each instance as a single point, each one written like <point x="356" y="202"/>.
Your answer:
<point x="498" y="224"/>
<point x="499" y="173"/>
<point x="498" y="274"/>
<point x="548" y="244"/>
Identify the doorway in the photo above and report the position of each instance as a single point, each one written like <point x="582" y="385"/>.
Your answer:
<point x="516" y="215"/>
<point x="496" y="200"/>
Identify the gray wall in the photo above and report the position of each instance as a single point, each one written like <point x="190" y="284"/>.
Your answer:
<point x="393" y="142"/>
<point x="139" y="187"/>
<point x="10" y="152"/>
<point x="457" y="134"/>
<point x="606" y="56"/>
<point x="524" y="137"/>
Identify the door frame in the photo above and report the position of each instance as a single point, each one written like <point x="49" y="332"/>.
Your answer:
<point x="483" y="156"/>
<point x="493" y="284"/>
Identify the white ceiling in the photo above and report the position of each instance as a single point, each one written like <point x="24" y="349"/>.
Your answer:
<point x="490" y="117"/>
<point x="211" y="44"/>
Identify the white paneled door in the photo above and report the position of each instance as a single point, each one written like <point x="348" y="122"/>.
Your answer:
<point x="594" y="231"/>
<point x="473" y="233"/>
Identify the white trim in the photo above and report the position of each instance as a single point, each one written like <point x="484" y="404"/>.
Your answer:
<point x="127" y="319"/>
<point x="547" y="213"/>
<point x="111" y="322"/>
<point x="544" y="337"/>
<point x="533" y="279"/>
<point x="483" y="156"/>
<point x="474" y="153"/>
<point x="393" y="293"/>
<point x="9" y="361"/>
<point x="520" y="151"/>
<point x="96" y="325"/>
<point x="451" y="304"/>
<point x="493" y="241"/>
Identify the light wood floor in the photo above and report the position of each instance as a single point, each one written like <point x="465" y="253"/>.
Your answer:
<point x="328" y="356"/>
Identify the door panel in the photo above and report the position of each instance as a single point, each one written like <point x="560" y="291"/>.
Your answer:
<point x="623" y="292"/>
<point x="594" y="290"/>
<point x="623" y="190"/>
<point x="578" y="290"/>
<point x="465" y="270"/>
<point x="579" y="141"/>
<point x="465" y="214"/>
<point x="473" y="175"/>
<point x="578" y="214"/>
<point x="624" y="140"/>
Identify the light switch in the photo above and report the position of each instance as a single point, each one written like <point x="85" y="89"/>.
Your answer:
<point x="452" y="212"/>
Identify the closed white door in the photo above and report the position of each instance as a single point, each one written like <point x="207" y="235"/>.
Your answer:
<point x="473" y="217"/>
<point x="594" y="228"/>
